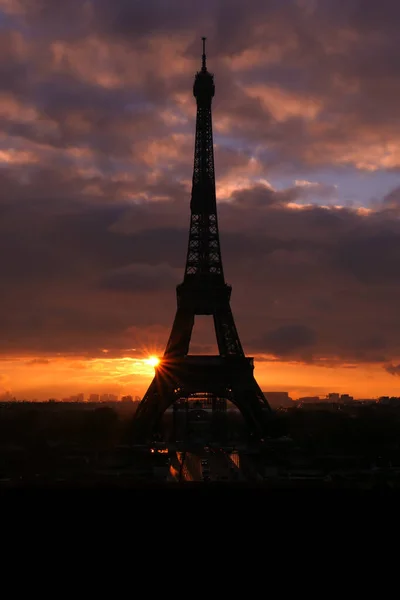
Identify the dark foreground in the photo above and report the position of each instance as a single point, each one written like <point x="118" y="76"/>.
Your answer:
<point x="44" y="446"/>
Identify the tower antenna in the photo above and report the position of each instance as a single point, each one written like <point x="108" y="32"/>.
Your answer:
<point x="203" y="58"/>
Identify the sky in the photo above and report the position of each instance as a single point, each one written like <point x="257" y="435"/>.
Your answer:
<point x="97" y="123"/>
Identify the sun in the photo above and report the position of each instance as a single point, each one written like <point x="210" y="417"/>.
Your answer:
<point x="153" y="361"/>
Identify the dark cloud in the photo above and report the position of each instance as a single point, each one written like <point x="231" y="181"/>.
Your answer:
<point x="38" y="361"/>
<point x="78" y="275"/>
<point x="141" y="278"/>
<point x="287" y="339"/>
<point x="373" y="258"/>
<point x="392" y="200"/>
<point x="393" y="369"/>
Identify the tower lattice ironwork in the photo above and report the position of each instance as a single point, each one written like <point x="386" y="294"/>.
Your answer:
<point x="203" y="292"/>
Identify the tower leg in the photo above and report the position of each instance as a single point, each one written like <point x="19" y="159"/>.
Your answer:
<point x="243" y="391"/>
<point x="179" y="340"/>
<point x="151" y="409"/>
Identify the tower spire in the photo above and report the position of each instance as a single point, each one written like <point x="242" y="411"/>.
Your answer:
<point x="203" y="58"/>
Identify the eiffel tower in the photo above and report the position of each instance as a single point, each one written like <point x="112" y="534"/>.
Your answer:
<point x="179" y="375"/>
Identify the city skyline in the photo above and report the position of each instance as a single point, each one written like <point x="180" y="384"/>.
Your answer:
<point x="275" y="398"/>
<point x="96" y="160"/>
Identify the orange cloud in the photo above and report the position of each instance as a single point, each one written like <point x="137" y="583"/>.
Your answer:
<point x="115" y="64"/>
<point x="284" y="105"/>
<point x="17" y="157"/>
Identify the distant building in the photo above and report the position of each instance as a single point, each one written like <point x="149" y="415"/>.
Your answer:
<point x="278" y="399"/>
<point x="333" y="397"/>
<point x="75" y="398"/>
<point x="126" y="399"/>
<point x="108" y="398"/>
<point x="309" y="400"/>
<point x="389" y="401"/>
<point x="344" y="398"/>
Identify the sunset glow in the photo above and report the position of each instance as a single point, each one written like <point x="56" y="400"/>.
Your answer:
<point x="153" y="361"/>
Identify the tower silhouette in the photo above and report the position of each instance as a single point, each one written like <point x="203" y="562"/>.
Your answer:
<point x="228" y="375"/>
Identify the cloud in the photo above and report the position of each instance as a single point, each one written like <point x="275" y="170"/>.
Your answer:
<point x="372" y="257"/>
<point x="141" y="278"/>
<point x="38" y="361"/>
<point x="300" y="83"/>
<point x="69" y="255"/>
<point x="263" y="194"/>
<point x="393" y="369"/>
<point x="287" y="338"/>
